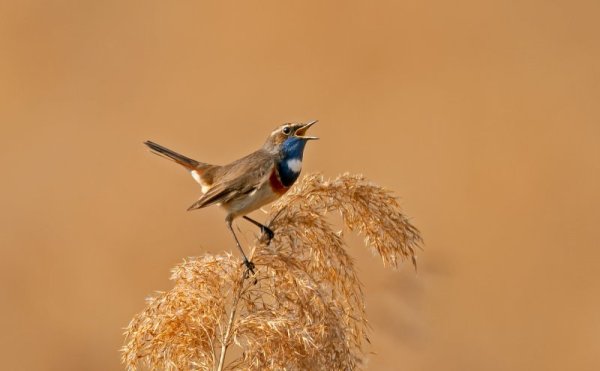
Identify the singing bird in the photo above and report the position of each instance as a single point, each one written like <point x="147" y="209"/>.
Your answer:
<point x="250" y="182"/>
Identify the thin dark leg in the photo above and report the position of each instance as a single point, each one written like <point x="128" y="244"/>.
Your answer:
<point x="263" y="228"/>
<point x="247" y="262"/>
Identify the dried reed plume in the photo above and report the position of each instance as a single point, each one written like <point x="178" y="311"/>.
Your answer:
<point x="303" y="310"/>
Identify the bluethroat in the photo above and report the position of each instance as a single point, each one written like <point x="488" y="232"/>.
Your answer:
<point x="250" y="182"/>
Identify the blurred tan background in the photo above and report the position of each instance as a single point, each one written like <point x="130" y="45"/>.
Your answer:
<point x="482" y="116"/>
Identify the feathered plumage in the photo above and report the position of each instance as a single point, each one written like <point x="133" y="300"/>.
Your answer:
<point x="250" y="182"/>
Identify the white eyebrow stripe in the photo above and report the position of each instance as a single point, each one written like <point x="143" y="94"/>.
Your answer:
<point x="278" y="130"/>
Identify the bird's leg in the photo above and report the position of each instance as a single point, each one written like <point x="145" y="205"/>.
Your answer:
<point x="249" y="265"/>
<point x="263" y="228"/>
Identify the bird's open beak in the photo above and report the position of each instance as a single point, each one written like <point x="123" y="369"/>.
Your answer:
<point x="300" y="132"/>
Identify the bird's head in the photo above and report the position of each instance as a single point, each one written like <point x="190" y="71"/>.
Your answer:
<point x="289" y="135"/>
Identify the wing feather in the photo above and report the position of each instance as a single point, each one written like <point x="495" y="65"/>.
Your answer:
<point x="237" y="179"/>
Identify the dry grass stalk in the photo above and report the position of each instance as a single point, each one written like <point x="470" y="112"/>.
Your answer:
<point x="304" y="311"/>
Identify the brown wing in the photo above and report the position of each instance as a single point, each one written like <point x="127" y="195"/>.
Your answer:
<point x="237" y="179"/>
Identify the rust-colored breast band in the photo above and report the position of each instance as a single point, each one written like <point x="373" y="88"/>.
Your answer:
<point x="276" y="184"/>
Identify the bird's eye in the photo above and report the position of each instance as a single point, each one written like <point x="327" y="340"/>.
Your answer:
<point x="286" y="130"/>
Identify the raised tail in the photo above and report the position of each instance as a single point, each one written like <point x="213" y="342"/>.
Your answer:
<point x="182" y="160"/>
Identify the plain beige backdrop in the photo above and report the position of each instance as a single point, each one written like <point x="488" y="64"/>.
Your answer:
<point x="483" y="116"/>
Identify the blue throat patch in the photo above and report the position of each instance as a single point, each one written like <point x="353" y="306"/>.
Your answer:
<point x="292" y="149"/>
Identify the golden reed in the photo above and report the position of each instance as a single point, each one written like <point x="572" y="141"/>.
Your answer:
<point x="303" y="310"/>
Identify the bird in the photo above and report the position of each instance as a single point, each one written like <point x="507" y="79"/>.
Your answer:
<point x="250" y="182"/>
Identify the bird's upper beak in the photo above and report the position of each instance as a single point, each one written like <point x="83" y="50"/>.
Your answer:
<point x="302" y="130"/>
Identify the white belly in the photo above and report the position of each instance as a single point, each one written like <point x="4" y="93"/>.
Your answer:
<point x="251" y="202"/>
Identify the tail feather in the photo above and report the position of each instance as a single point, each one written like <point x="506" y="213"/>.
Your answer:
<point x="172" y="155"/>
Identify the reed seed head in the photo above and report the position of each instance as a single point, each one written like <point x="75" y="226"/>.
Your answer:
<point x="304" y="308"/>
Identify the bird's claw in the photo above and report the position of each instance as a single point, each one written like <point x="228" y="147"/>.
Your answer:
<point x="249" y="268"/>
<point x="266" y="231"/>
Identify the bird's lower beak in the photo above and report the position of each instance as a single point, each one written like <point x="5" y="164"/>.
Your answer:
<point x="300" y="132"/>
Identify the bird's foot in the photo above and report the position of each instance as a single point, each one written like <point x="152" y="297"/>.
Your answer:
<point x="249" y="268"/>
<point x="267" y="233"/>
